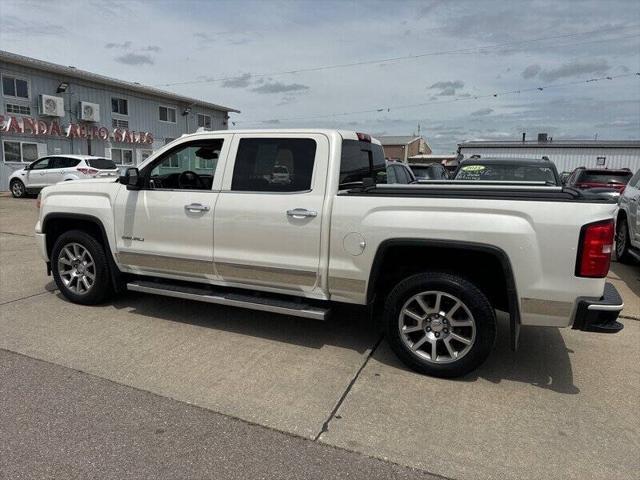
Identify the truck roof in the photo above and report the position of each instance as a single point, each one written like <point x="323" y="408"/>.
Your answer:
<point x="345" y="134"/>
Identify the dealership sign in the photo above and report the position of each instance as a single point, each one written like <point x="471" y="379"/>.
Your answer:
<point x="39" y="127"/>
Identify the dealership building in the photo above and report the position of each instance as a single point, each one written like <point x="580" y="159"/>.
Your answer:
<point x="48" y="109"/>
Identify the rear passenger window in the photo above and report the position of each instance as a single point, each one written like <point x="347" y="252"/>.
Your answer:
<point x="274" y="165"/>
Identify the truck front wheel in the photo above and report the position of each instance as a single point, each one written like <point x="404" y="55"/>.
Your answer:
<point x="80" y="269"/>
<point x="439" y="324"/>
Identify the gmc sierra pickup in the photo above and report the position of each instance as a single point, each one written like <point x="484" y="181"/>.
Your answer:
<point x="212" y="217"/>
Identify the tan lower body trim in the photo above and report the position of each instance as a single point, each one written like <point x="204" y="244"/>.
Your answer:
<point x="347" y="286"/>
<point x="268" y="275"/>
<point x="552" y="308"/>
<point x="161" y="263"/>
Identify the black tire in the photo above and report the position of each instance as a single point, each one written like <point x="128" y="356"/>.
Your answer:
<point x="475" y="303"/>
<point x="101" y="288"/>
<point x="623" y="242"/>
<point x="18" y="190"/>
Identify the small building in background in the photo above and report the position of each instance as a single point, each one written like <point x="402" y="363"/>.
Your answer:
<point x="400" y="148"/>
<point x="566" y="154"/>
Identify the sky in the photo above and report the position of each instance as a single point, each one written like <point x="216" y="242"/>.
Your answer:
<point x="456" y="70"/>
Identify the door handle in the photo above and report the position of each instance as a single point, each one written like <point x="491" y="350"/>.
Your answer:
<point x="301" y="213"/>
<point x="196" y="207"/>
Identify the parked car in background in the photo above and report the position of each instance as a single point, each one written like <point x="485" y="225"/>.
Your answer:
<point x="508" y="170"/>
<point x="52" y="169"/>
<point x="431" y="171"/>
<point x="586" y="178"/>
<point x="398" y="172"/>
<point x="627" y="222"/>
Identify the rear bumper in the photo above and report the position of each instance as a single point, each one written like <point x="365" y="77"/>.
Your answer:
<point x="599" y="315"/>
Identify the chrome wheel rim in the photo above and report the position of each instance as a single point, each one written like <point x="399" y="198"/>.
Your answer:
<point x="76" y="268"/>
<point x="437" y="327"/>
<point x="16" y="189"/>
<point x="621" y="238"/>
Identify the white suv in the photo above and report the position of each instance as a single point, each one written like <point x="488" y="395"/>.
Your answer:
<point x="52" y="169"/>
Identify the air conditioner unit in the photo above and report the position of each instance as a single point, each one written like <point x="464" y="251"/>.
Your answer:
<point x="89" y="112"/>
<point x="51" y="106"/>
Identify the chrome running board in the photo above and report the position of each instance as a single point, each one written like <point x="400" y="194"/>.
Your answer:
<point x="261" y="302"/>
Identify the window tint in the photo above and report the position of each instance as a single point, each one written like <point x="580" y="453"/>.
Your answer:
<point x="29" y="152"/>
<point x="391" y="175"/>
<point x="204" y="120"/>
<point x="360" y="160"/>
<point x="189" y="166"/>
<point x="274" y="165"/>
<point x="15" y="87"/>
<point x="120" y="105"/>
<point x="598" y="176"/>
<point x="57" y="162"/>
<point x="8" y="86"/>
<point x="507" y="172"/>
<point x="22" y="88"/>
<point x="167" y="114"/>
<point x="41" y="165"/>
<point x="101" y="163"/>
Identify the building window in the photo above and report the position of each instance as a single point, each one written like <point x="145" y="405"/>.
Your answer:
<point x="167" y="114"/>
<point x="15" y="87"/>
<point x="122" y="156"/>
<point x="120" y="106"/>
<point x="204" y="120"/>
<point x="19" y="109"/>
<point x="117" y="123"/>
<point x="600" y="161"/>
<point x="20" y="151"/>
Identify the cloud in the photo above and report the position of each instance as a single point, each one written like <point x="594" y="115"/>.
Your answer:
<point x="12" y="25"/>
<point x="124" y="45"/>
<point x="151" y="48"/>
<point x="135" y="59"/>
<point x="279" y="87"/>
<point x="447" y="89"/>
<point x="572" y="69"/>
<point x="241" y="81"/>
<point x="531" y="71"/>
<point x="482" y="112"/>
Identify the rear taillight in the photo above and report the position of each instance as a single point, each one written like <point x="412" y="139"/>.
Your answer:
<point x="594" y="250"/>
<point x="88" y="171"/>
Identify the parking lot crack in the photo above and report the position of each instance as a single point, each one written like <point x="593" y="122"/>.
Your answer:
<point x="325" y="425"/>
<point x="17" y="234"/>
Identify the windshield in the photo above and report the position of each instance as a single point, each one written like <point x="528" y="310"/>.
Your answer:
<point x="591" y="176"/>
<point x="507" y="173"/>
<point x="102" y="164"/>
<point x="424" y="173"/>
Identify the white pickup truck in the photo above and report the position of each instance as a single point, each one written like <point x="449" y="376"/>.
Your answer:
<point x="205" y="219"/>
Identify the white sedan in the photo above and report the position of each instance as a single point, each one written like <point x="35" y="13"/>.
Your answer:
<point x="52" y="169"/>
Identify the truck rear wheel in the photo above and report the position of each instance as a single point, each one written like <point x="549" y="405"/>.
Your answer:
<point x="439" y="324"/>
<point x="80" y="269"/>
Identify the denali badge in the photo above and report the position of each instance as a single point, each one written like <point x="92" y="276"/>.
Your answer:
<point x="134" y="239"/>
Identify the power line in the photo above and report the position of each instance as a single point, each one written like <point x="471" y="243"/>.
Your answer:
<point x="402" y="58"/>
<point x="540" y="88"/>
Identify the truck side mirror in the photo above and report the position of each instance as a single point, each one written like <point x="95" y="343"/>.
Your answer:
<point x="131" y="178"/>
